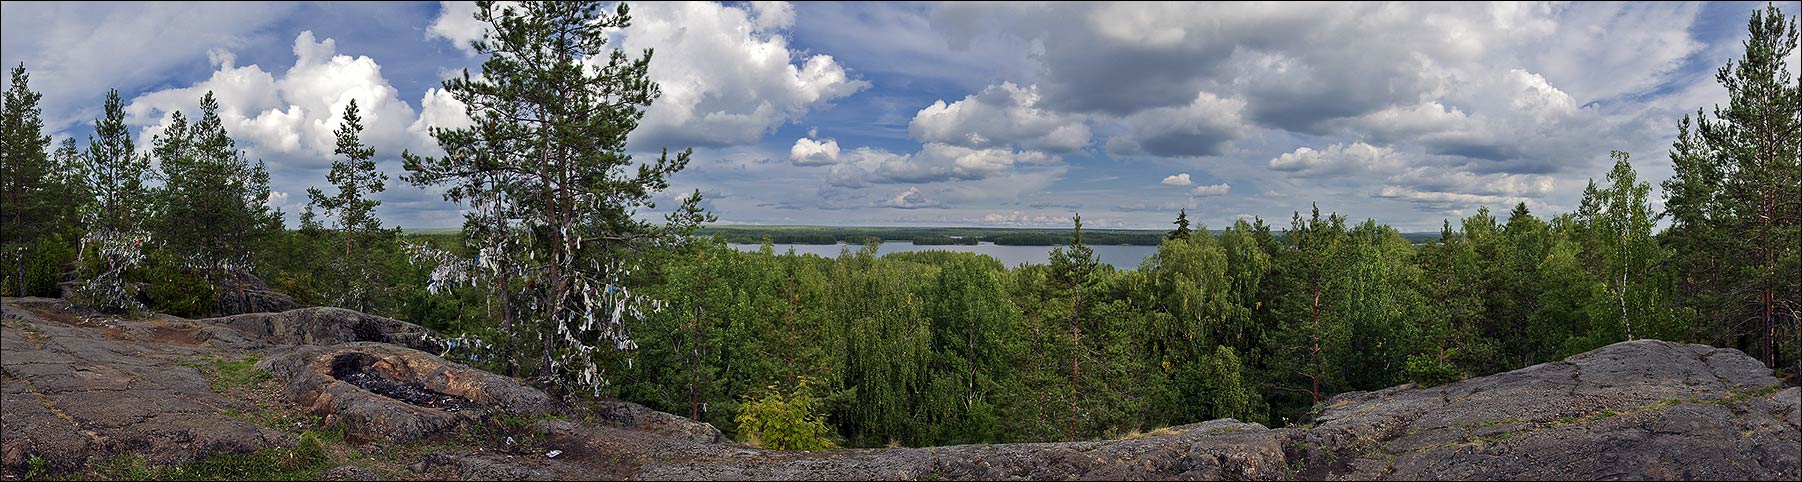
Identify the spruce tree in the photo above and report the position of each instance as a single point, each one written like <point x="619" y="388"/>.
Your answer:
<point x="1182" y="225"/>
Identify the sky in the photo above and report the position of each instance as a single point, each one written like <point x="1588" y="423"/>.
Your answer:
<point x="964" y="114"/>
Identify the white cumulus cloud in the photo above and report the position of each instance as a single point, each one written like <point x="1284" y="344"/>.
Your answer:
<point x="727" y="74"/>
<point x="1177" y="180"/>
<point x="1211" y="190"/>
<point x="809" y="152"/>
<point x="1001" y="115"/>
<point x="1336" y="159"/>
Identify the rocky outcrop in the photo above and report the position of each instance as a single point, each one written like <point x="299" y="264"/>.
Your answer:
<point x="319" y="326"/>
<point x="381" y="391"/>
<point x="246" y="293"/>
<point x="639" y="417"/>
<point x="1213" y="450"/>
<point x="77" y="388"/>
<point x="1639" y="409"/>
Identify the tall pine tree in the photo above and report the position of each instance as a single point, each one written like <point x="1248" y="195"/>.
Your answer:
<point x="1074" y="266"/>
<point x="353" y="213"/>
<point x="552" y="111"/>
<point x="1736" y="195"/>
<point x="29" y="193"/>
<point x="214" y="212"/>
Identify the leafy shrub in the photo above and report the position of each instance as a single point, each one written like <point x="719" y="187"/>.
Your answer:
<point x="792" y="421"/>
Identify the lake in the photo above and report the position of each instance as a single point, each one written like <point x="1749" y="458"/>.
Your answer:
<point x="1121" y="257"/>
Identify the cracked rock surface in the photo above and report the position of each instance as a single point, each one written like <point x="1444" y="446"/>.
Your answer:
<point x="74" y="386"/>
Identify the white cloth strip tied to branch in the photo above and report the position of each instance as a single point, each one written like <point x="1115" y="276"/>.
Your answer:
<point x="117" y="251"/>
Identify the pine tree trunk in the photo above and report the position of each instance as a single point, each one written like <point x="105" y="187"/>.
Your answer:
<point x="1075" y="355"/>
<point x="1314" y="353"/>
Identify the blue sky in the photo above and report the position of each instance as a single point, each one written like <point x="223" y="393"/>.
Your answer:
<point x="1009" y="114"/>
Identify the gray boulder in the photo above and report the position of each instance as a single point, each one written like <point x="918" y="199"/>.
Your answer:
<point x="639" y="417"/>
<point x="246" y="293"/>
<point x="323" y="326"/>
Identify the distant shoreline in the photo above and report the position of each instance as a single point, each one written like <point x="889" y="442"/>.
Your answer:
<point x="827" y="235"/>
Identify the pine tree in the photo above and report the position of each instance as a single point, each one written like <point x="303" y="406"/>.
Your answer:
<point x="24" y="162"/>
<point x="1698" y="233"/>
<point x="1074" y="267"/>
<point x="552" y="111"/>
<point x="1754" y="141"/>
<point x="214" y="214"/>
<point x="28" y="197"/>
<point x="116" y="173"/>
<point x="115" y="239"/>
<point x="353" y="213"/>
<point x="1309" y="263"/>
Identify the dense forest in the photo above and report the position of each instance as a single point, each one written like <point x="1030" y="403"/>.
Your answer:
<point x="554" y="280"/>
<point x="925" y="236"/>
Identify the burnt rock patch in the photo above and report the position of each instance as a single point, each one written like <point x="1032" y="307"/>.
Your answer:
<point x="382" y="391"/>
<point x="363" y="371"/>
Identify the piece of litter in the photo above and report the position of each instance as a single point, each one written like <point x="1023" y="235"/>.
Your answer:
<point x="553" y="454"/>
<point x="510" y="441"/>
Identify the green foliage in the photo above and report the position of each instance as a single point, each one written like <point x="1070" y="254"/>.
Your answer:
<point x="919" y="348"/>
<point x="552" y="186"/>
<point x="101" y="270"/>
<point x="791" y="421"/>
<point x="175" y="288"/>
<point x="212" y="214"/>
<point x="1229" y="396"/>
<point x="240" y="373"/>
<point x="1429" y="371"/>
<point x="944" y="241"/>
<point x="354" y="275"/>
<point x="1182" y="226"/>
<point x="115" y="173"/>
<point x="38" y="467"/>
<point x="34" y="269"/>
<point x="1732" y="200"/>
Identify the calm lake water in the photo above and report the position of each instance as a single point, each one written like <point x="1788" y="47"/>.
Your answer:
<point x="1121" y="257"/>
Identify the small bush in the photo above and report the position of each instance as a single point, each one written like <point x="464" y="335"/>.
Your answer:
<point x="785" y="421"/>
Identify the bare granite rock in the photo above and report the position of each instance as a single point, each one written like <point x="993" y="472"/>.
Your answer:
<point x="639" y="417"/>
<point x="1213" y="450"/>
<point x="320" y="326"/>
<point x="246" y="293"/>
<point x="1638" y="409"/>
<point x="382" y="391"/>
<point x="78" y="388"/>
